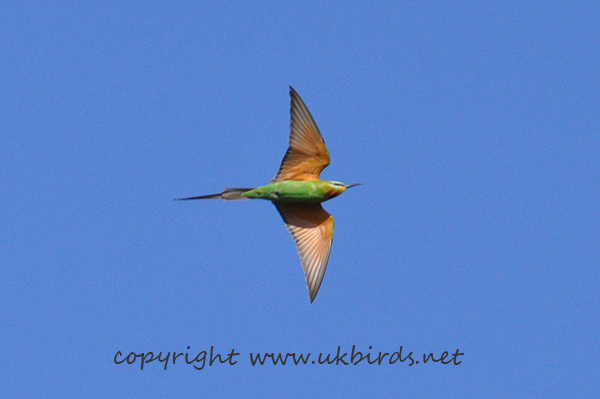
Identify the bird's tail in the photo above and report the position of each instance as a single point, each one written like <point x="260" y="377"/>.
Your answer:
<point x="229" y="194"/>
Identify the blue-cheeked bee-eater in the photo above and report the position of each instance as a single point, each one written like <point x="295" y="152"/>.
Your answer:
<point x="297" y="193"/>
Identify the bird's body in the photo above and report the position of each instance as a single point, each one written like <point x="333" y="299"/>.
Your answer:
<point x="297" y="193"/>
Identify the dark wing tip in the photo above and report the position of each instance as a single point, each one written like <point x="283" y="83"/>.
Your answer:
<point x="293" y="93"/>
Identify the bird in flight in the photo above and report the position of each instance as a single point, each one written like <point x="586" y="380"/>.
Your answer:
<point x="297" y="193"/>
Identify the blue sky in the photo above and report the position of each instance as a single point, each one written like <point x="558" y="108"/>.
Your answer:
<point x="474" y="128"/>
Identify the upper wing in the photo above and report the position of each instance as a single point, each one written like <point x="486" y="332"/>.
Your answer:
<point x="307" y="155"/>
<point x="312" y="229"/>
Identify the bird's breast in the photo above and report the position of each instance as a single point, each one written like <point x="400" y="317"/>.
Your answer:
<point x="311" y="191"/>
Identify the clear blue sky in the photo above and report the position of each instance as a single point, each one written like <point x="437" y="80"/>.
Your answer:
<point x="475" y="129"/>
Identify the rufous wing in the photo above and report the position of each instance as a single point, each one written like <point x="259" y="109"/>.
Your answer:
<point x="307" y="154"/>
<point x="312" y="229"/>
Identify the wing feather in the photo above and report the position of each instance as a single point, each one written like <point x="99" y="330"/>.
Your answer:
<point x="312" y="229"/>
<point x="307" y="154"/>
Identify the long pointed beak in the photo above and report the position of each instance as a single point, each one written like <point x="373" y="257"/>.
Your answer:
<point x="352" y="185"/>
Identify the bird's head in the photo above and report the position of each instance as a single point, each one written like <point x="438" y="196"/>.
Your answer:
<point x="340" y="187"/>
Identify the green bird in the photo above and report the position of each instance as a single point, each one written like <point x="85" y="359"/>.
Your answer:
<point x="297" y="193"/>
